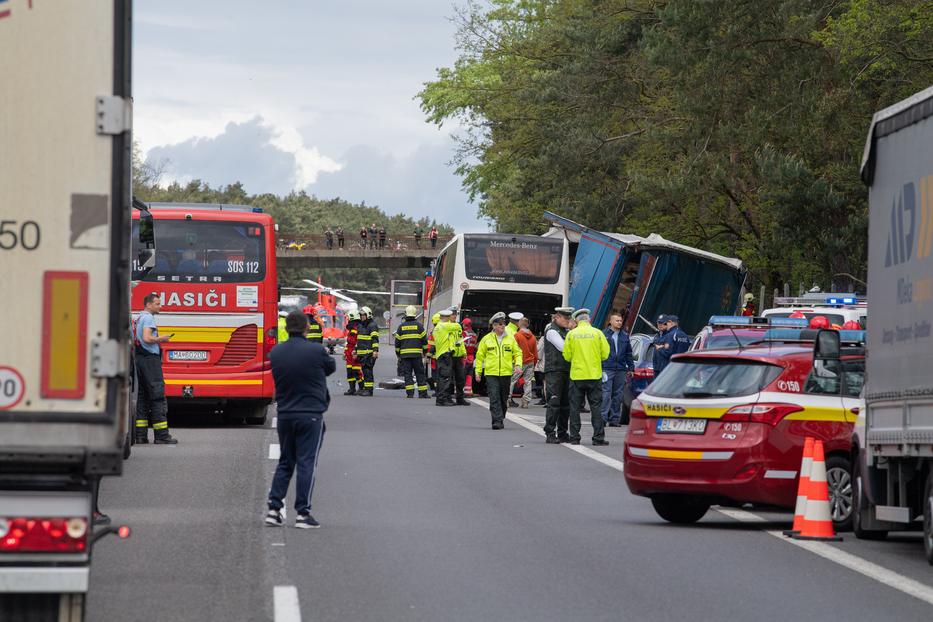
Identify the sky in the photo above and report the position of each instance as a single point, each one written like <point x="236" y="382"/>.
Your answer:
<point x="288" y="95"/>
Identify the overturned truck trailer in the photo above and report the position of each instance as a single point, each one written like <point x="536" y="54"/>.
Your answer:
<point x="643" y="277"/>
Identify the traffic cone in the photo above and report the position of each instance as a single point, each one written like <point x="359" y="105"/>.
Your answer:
<point x="468" y="385"/>
<point x="805" y="465"/>
<point x="817" y="521"/>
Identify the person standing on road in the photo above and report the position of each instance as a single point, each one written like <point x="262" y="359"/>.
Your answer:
<point x="512" y="328"/>
<point x="669" y="342"/>
<point x="315" y="330"/>
<point x="340" y="237"/>
<point x="617" y="370"/>
<point x="444" y="343"/>
<point x="411" y="343"/>
<point x="299" y="369"/>
<point x="529" y="345"/>
<point x="354" y="368"/>
<point x="282" y="333"/>
<point x="469" y="343"/>
<point x="498" y="357"/>
<point x="539" y="373"/>
<point x="557" y="378"/>
<point x="367" y="349"/>
<point x="585" y="348"/>
<point x="433" y="236"/>
<point x="459" y="364"/>
<point x="151" y="407"/>
<point x="658" y="360"/>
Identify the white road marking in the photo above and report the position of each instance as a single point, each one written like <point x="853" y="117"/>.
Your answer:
<point x="584" y="451"/>
<point x="285" y="600"/>
<point x="275" y="422"/>
<point x="274" y="451"/>
<point x="847" y="560"/>
<point x="854" y="563"/>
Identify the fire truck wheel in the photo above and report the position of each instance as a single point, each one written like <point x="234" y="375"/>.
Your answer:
<point x="680" y="509"/>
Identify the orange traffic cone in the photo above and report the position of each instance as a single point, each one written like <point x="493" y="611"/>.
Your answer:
<point x="802" y="488"/>
<point x="468" y="385"/>
<point x="817" y="521"/>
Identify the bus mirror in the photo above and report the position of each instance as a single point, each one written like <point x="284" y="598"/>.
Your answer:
<point x="145" y="261"/>
<point x="827" y="346"/>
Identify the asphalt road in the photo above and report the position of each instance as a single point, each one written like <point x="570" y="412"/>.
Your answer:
<point x="428" y="514"/>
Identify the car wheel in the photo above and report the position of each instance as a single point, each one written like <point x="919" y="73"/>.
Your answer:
<point x="928" y="518"/>
<point x="860" y="499"/>
<point x="839" y="481"/>
<point x="680" y="509"/>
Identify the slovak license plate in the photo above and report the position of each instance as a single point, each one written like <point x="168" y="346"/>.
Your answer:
<point x="666" y="425"/>
<point x="187" y="355"/>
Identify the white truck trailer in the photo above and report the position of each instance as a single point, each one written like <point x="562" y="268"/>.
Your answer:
<point x="895" y="480"/>
<point x="65" y="211"/>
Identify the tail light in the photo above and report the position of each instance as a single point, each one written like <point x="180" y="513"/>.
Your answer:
<point x="43" y="535"/>
<point x="761" y="413"/>
<point x="637" y="411"/>
<point x="271" y="338"/>
<point x="643" y="373"/>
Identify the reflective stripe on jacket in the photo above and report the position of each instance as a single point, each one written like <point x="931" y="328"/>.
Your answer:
<point x="497" y="359"/>
<point x="411" y="340"/>
<point x="367" y="338"/>
<point x="585" y="348"/>
<point x="446" y="335"/>
<point x="315" y="332"/>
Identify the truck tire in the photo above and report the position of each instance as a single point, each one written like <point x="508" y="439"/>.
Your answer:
<point x="840" y="483"/>
<point x="680" y="509"/>
<point x="860" y="505"/>
<point x="928" y="518"/>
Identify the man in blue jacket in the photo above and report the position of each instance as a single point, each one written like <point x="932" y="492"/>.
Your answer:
<point x="672" y="340"/>
<point x="300" y="369"/>
<point x="616" y="370"/>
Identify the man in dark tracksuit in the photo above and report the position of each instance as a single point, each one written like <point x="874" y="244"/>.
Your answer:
<point x="411" y="343"/>
<point x="367" y="349"/>
<point x="557" y="377"/>
<point x="151" y="407"/>
<point x="300" y="369"/>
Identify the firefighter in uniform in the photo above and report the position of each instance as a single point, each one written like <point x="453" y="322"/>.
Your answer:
<point x="315" y="330"/>
<point x="367" y="349"/>
<point x="557" y="377"/>
<point x="411" y="343"/>
<point x="585" y="348"/>
<point x="445" y="338"/>
<point x="354" y="369"/>
<point x="497" y="357"/>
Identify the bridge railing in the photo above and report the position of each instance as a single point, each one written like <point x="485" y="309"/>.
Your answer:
<point x="392" y="243"/>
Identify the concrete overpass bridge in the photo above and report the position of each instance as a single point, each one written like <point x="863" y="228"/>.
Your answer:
<point x="314" y="252"/>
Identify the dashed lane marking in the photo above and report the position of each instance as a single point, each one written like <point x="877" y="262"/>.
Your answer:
<point x="285" y="603"/>
<point x="274" y="451"/>
<point x="854" y="563"/>
<point x="275" y="421"/>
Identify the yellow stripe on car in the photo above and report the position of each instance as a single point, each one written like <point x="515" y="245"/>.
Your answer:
<point x="200" y="381"/>
<point x="202" y="334"/>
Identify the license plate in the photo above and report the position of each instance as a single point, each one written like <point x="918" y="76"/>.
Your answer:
<point x="681" y="426"/>
<point x="187" y="355"/>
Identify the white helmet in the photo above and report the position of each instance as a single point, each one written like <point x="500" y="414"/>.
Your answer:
<point x="411" y="311"/>
<point x="353" y="315"/>
<point x="366" y="311"/>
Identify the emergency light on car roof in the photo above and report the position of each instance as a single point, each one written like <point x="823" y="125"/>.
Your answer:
<point x="806" y="334"/>
<point x="841" y="301"/>
<point x="738" y="320"/>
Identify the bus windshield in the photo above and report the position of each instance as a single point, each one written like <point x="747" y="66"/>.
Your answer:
<point x="200" y="251"/>
<point x="513" y="259"/>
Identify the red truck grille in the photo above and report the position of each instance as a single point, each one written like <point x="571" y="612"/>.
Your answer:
<point x="241" y="348"/>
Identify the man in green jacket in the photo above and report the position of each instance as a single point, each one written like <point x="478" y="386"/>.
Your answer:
<point x="585" y="348"/>
<point x="498" y="356"/>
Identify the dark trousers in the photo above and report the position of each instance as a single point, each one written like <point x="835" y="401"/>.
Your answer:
<point x="557" y="394"/>
<point x="445" y="378"/>
<point x="433" y="242"/>
<point x="414" y="366"/>
<point x="497" y="388"/>
<point x="612" y="395"/>
<point x="580" y="391"/>
<point x="368" y="361"/>
<point x="300" y="438"/>
<point x="340" y="242"/>
<point x="459" y="376"/>
<point x="151" y="407"/>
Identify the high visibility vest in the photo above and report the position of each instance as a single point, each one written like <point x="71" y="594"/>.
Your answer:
<point x="445" y="338"/>
<point x="411" y="340"/>
<point x="283" y="334"/>
<point x="585" y="348"/>
<point x="495" y="358"/>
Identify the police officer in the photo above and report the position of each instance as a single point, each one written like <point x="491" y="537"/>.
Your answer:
<point x="354" y="368"/>
<point x="659" y="358"/>
<point x="367" y="349"/>
<point x="151" y="406"/>
<point x="459" y="363"/>
<point x="497" y="357"/>
<point x="557" y="377"/>
<point x="411" y="343"/>
<point x="674" y="341"/>
<point x="283" y="333"/>
<point x="585" y="348"/>
<point x="445" y="341"/>
<point x="315" y="331"/>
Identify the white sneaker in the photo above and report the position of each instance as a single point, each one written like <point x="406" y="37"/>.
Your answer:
<point x="275" y="518"/>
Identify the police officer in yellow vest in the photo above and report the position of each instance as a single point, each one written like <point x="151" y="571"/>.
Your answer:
<point x="411" y="343"/>
<point x="498" y="356"/>
<point x="458" y="365"/>
<point x="585" y="348"/>
<point x="283" y="334"/>
<point x="445" y="336"/>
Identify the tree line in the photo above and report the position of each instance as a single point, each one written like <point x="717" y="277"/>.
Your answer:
<point x="736" y="126"/>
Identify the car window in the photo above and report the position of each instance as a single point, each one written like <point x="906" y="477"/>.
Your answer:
<point x="824" y="378"/>
<point x="853" y="377"/>
<point x="713" y="378"/>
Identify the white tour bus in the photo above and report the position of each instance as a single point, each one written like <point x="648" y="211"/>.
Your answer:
<point x="482" y="273"/>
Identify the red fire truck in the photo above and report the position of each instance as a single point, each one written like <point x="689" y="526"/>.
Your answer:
<point x="216" y="276"/>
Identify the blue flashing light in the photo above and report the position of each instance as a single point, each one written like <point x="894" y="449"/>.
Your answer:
<point x="733" y="320"/>
<point x="257" y="210"/>
<point x="852" y="336"/>
<point x="789" y="322"/>
<point x="841" y="301"/>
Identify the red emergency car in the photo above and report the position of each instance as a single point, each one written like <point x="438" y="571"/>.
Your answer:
<point x="728" y="426"/>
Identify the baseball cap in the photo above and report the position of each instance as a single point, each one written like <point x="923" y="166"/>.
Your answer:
<point x="662" y="319"/>
<point x="673" y="318"/>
